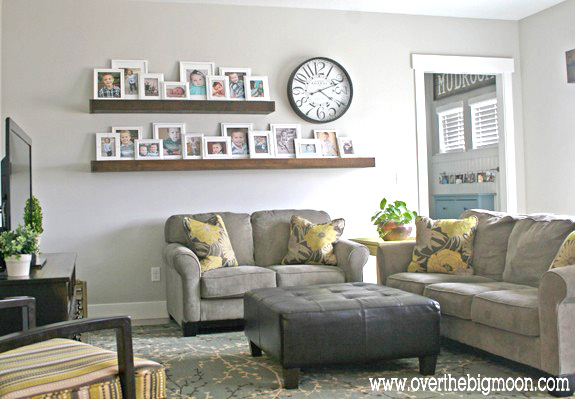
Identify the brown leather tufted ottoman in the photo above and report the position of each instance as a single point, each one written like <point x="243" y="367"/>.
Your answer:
<point x="341" y="323"/>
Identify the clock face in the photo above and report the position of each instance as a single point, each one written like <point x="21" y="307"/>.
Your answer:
<point x="320" y="90"/>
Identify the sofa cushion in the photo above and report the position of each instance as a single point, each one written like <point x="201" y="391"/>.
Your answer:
<point x="210" y="242"/>
<point x="271" y="231"/>
<point x="533" y="243"/>
<point x="230" y="282"/>
<point x="511" y="310"/>
<point x="566" y="254"/>
<point x="416" y="282"/>
<point x="443" y="246"/>
<point x="238" y="227"/>
<point x="311" y="243"/>
<point x="299" y="275"/>
<point x="456" y="298"/>
<point x="490" y="243"/>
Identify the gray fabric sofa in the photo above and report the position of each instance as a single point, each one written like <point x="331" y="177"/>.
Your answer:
<point x="513" y="306"/>
<point x="260" y="240"/>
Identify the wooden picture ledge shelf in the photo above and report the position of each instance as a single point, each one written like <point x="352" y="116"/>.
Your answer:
<point x="230" y="164"/>
<point x="180" y="107"/>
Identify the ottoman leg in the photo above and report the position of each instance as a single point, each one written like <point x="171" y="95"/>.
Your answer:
<point x="255" y="350"/>
<point x="427" y="364"/>
<point x="291" y="378"/>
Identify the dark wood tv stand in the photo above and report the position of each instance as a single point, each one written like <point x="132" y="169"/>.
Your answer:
<point x="53" y="287"/>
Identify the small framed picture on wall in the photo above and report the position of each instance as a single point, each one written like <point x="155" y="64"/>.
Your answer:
<point x="193" y="145"/>
<point x="151" y="86"/>
<point x="238" y="132"/>
<point x="132" y="71"/>
<point x="236" y="81"/>
<point x="283" y="136"/>
<point x="260" y="144"/>
<point x="195" y="74"/>
<point x="257" y="88"/>
<point x="109" y="84"/>
<point x="216" y="147"/>
<point x="328" y="139"/>
<point x="176" y="91"/>
<point x="171" y="135"/>
<point x="217" y="87"/>
<point x="307" y="148"/>
<point x="128" y="134"/>
<point x="148" y="149"/>
<point x="346" y="148"/>
<point x="107" y="146"/>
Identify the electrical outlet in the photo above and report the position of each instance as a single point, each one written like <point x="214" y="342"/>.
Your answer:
<point x="155" y="271"/>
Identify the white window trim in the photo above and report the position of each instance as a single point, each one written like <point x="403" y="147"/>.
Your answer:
<point x="440" y="111"/>
<point x="473" y="102"/>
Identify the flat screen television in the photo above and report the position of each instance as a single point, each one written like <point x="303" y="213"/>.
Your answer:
<point x="16" y="175"/>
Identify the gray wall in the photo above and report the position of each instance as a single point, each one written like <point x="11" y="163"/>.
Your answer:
<point x="548" y="103"/>
<point x="115" y="221"/>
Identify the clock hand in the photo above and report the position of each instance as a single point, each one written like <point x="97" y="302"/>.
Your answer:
<point x="339" y="103"/>
<point x="325" y="88"/>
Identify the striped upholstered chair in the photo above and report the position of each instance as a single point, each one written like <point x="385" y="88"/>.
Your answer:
<point x="37" y="363"/>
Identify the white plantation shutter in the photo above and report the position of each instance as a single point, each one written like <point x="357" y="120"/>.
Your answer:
<point x="451" y="130"/>
<point x="484" y="127"/>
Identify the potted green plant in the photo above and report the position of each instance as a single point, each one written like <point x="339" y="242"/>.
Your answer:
<point x="17" y="247"/>
<point x="33" y="216"/>
<point x="393" y="220"/>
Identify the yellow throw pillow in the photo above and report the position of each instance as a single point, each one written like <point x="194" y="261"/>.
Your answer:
<point x="210" y="242"/>
<point x="566" y="254"/>
<point x="443" y="246"/>
<point x="312" y="243"/>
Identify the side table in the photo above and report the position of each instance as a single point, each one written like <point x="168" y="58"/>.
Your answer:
<point x="372" y="244"/>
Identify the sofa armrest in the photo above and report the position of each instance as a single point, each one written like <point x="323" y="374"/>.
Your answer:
<point x="351" y="257"/>
<point x="393" y="257"/>
<point x="183" y="282"/>
<point x="557" y="320"/>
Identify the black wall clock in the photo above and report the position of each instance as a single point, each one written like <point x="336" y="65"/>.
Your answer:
<point x="320" y="90"/>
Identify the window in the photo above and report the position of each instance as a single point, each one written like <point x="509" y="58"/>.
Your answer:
<point x="484" y="127"/>
<point x="451" y="130"/>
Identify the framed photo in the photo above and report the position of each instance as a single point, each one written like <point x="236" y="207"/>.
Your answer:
<point x="132" y="71"/>
<point x="481" y="177"/>
<point x="195" y="74"/>
<point x="328" y="140"/>
<point x="237" y="85"/>
<point x="257" y="88"/>
<point x="150" y="86"/>
<point x="175" y="91"/>
<point x="193" y="145"/>
<point x="283" y="136"/>
<point x="346" y="148"/>
<point x="128" y="135"/>
<point x="149" y="149"/>
<point x="216" y="147"/>
<point x="451" y="179"/>
<point x="307" y="148"/>
<point x="239" y="133"/>
<point x="260" y="144"/>
<point x="107" y="146"/>
<point x="217" y="87"/>
<point x="171" y="134"/>
<point x="109" y="84"/>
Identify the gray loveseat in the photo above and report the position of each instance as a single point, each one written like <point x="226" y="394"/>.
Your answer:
<point x="513" y="306"/>
<point x="260" y="241"/>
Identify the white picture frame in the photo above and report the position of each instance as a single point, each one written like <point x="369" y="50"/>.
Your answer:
<point x="151" y="86"/>
<point x="261" y="148"/>
<point x="283" y="139"/>
<point x="257" y="88"/>
<point x="346" y="147"/>
<point x="117" y="84"/>
<point x="211" y="81"/>
<point x="171" y="149"/>
<point x="208" y="147"/>
<point x="239" y="135"/>
<point x="131" y="81"/>
<point x="307" y="148"/>
<point x="175" y="91"/>
<point x="193" y="141"/>
<point x="107" y="146"/>
<point x="328" y="139"/>
<point x="241" y="74"/>
<point x="149" y="145"/>
<point x="203" y="69"/>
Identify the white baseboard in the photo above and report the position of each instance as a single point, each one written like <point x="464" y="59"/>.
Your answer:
<point x="137" y="310"/>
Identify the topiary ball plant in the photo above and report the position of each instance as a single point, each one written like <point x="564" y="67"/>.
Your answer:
<point x="33" y="215"/>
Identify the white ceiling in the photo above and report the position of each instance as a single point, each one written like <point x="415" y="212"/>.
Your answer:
<point x="488" y="9"/>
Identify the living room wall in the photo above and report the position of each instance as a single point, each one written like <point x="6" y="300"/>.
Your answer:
<point x="548" y="103"/>
<point x="114" y="221"/>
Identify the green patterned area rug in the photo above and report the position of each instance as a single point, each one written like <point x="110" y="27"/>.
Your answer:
<point x="219" y="366"/>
